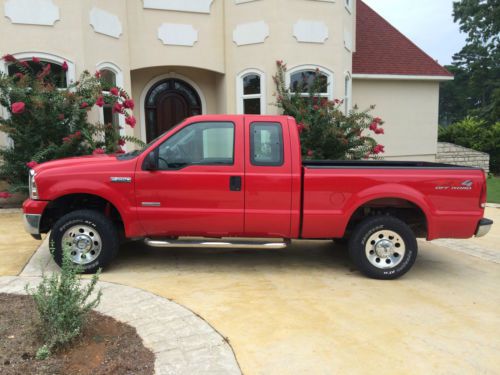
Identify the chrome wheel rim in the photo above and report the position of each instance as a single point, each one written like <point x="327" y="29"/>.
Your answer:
<point x="385" y="249"/>
<point x="83" y="244"/>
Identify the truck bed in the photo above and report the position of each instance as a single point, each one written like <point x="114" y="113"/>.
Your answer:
<point x="448" y="195"/>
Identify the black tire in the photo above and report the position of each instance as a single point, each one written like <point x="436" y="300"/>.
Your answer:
<point x="395" y="244"/>
<point x="99" y="225"/>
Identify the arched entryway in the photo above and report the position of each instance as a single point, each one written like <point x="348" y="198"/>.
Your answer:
<point x="167" y="103"/>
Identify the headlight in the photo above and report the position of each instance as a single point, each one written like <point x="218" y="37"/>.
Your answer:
<point x="32" y="185"/>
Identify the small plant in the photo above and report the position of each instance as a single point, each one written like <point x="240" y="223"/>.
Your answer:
<point x="326" y="132"/>
<point x="63" y="304"/>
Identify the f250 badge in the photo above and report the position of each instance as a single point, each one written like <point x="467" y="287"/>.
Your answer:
<point x="465" y="185"/>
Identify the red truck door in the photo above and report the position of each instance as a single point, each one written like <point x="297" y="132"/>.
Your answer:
<point x="268" y="177"/>
<point x="197" y="189"/>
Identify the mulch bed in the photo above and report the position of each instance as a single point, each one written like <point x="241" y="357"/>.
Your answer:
<point x="106" y="346"/>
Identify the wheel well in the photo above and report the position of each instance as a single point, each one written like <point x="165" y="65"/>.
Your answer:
<point x="68" y="203"/>
<point x="403" y="209"/>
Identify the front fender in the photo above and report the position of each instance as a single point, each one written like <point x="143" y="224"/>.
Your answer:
<point x="120" y="195"/>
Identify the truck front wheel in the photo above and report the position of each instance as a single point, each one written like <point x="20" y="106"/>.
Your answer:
<point x="89" y="237"/>
<point x="383" y="247"/>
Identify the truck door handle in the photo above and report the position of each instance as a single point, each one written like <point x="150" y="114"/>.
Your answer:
<point x="235" y="183"/>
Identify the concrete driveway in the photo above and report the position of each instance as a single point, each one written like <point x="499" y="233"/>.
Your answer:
<point x="16" y="246"/>
<point x="304" y="310"/>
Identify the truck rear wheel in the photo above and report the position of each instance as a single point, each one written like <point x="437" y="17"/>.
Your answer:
<point x="383" y="247"/>
<point x="89" y="237"/>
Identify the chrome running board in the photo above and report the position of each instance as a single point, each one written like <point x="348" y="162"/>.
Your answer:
<point x="216" y="244"/>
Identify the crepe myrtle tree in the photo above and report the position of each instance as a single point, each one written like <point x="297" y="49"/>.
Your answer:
<point x="46" y="122"/>
<point x="326" y="132"/>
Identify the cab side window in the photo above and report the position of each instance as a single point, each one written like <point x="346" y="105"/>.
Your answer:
<point x="266" y="144"/>
<point x="206" y="143"/>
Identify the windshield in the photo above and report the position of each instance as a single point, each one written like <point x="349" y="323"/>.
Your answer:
<point x="134" y="153"/>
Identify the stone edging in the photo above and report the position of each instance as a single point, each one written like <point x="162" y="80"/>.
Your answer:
<point x="183" y="343"/>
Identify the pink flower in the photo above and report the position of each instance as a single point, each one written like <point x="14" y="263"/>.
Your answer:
<point x="36" y="60"/>
<point x="64" y="66"/>
<point x="31" y="164"/>
<point x="117" y="108"/>
<point x="78" y="134"/>
<point x="279" y="62"/>
<point x="98" y="151"/>
<point x="121" y="142"/>
<point x="300" y="127"/>
<point x="336" y="101"/>
<point x="100" y="101"/>
<point x="378" y="149"/>
<point x="114" y="91"/>
<point x="9" y="58"/>
<point x="18" y="107"/>
<point x="379" y="131"/>
<point x="129" y="103"/>
<point x="66" y="139"/>
<point x="19" y="75"/>
<point x="97" y="74"/>
<point x="60" y="116"/>
<point x="5" y="195"/>
<point x="84" y="105"/>
<point x="378" y="120"/>
<point x="130" y="120"/>
<point x="24" y="63"/>
<point x="310" y="152"/>
<point x="373" y="126"/>
<point x="119" y="151"/>
<point x="315" y="107"/>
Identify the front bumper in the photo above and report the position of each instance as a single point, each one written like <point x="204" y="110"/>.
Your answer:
<point x="483" y="227"/>
<point x="32" y="224"/>
<point x="32" y="216"/>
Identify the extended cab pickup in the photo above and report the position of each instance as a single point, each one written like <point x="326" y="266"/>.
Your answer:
<point x="242" y="177"/>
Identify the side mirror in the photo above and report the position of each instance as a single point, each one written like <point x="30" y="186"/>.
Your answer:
<point x="149" y="163"/>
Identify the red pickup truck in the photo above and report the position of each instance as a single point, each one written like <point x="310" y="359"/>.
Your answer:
<point x="239" y="180"/>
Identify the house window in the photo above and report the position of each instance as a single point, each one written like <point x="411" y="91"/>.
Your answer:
<point x="300" y="80"/>
<point x="347" y="93"/>
<point x="111" y="76"/>
<point x="251" y="92"/>
<point x="108" y="79"/>
<point x="59" y="75"/>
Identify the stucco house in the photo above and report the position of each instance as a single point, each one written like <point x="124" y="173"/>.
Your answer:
<point x="185" y="57"/>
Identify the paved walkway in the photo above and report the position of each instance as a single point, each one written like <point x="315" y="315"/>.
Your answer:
<point x="182" y="341"/>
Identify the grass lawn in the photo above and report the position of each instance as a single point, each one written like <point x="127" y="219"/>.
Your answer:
<point x="494" y="189"/>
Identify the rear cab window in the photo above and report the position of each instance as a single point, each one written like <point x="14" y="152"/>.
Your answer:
<point x="266" y="144"/>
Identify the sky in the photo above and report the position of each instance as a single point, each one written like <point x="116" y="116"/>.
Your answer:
<point x="428" y="23"/>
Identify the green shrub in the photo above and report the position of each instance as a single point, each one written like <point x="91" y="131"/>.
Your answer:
<point x="326" y="132"/>
<point x="476" y="134"/>
<point x="47" y="122"/>
<point x="63" y="304"/>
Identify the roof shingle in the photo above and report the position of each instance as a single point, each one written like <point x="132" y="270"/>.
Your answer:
<point x="382" y="49"/>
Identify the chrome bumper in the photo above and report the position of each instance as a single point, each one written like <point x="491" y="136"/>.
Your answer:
<point x="483" y="227"/>
<point x="32" y="224"/>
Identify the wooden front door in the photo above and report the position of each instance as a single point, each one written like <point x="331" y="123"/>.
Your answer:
<point x="167" y="103"/>
<point x="172" y="108"/>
